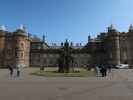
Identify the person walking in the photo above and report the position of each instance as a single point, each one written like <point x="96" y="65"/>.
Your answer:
<point x="10" y="69"/>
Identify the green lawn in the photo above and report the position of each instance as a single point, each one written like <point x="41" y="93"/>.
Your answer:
<point x="53" y="72"/>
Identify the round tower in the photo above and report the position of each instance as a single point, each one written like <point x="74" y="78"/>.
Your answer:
<point x="113" y="46"/>
<point x="2" y="44"/>
<point x="2" y="37"/>
<point x="21" y="47"/>
<point x="130" y="46"/>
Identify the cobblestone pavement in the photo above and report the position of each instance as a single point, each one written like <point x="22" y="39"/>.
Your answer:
<point x="118" y="85"/>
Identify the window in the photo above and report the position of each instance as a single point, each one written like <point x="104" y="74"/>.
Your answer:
<point x="22" y="55"/>
<point x="22" y="45"/>
<point x="16" y="54"/>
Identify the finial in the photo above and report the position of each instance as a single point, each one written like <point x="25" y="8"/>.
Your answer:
<point x="89" y="37"/>
<point x="66" y="43"/>
<point x="3" y="28"/>
<point x="22" y="27"/>
<point x="71" y="43"/>
<point x="66" y="40"/>
<point x="131" y="28"/>
<point x="62" y="44"/>
<point x="44" y="38"/>
<point x="111" y="27"/>
<point x="80" y="44"/>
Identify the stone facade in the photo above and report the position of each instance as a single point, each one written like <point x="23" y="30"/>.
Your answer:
<point x="14" y="48"/>
<point x="109" y="48"/>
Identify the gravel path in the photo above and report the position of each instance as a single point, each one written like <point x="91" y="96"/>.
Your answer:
<point x="118" y="85"/>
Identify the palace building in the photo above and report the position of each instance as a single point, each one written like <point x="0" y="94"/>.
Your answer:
<point x="108" y="48"/>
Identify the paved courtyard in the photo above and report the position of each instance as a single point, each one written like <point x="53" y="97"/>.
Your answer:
<point x="116" y="86"/>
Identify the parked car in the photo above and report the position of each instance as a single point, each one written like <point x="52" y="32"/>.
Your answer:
<point x="114" y="67"/>
<point x="122" y="66"/>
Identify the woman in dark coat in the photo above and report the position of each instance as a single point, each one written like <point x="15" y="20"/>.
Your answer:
<point x="10" y="69"/>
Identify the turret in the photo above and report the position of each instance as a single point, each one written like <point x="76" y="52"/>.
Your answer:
<point x="130" y="46"/>
<point x="21" y="31"/>
<point x="2" y="44"/>
<point x="130" y="28"/>
<point x="2" y="37"/>
<point x="66" y="44"/>
<point x="113" y="45"/>
<point x="111" y="28"/>
<point x="21" y="46"/>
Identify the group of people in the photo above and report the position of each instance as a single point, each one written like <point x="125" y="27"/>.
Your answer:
<point x="11" y="69"/>
<point x="102" y="70"/>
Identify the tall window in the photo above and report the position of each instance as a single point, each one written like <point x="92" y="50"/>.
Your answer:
<point x="22" y="55"/>
<point x="22" y="45"/>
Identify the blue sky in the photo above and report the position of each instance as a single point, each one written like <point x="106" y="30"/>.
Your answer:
<point x="61" y="19"/>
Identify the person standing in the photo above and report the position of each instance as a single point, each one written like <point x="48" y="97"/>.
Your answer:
<point x="105" y="71"/>
<point x="18" y="68"/>
<point x="98" y="71"/>
<point x="102" y="71"/>
<point x="109" y="68"/>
